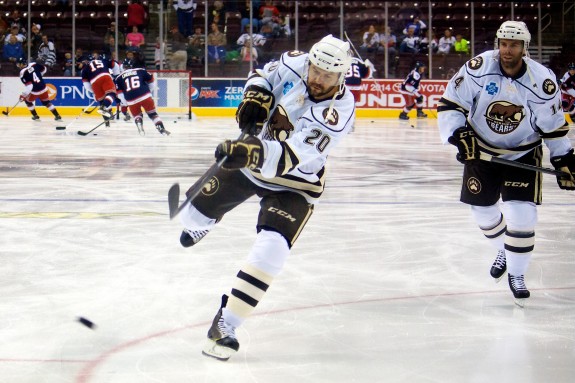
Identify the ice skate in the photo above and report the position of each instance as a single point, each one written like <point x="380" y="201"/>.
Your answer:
<point x="57" y="117"/>
<point x="105" y="112"/>
<point x="403" y="116"/>
<point x="140" y="126"/>
<point x="499" y="266"/>
<point x="35" y="117"/>
<point x="222" y="342"/>
<point x="191" y="237"/>
<point x="126" y="117"/>
<point x="518" y="288"/>
<point x="161" y="129"/>
<point x="420" y="114"/>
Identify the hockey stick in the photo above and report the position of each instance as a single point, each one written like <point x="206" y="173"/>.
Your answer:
<point x="174" y="191"/>
<point x="6" y="113"/>
<point x="489" y="158"/>
<point x="352" y="46"/>
<point x="91" y="130"/>
<point x="77" y="117"/>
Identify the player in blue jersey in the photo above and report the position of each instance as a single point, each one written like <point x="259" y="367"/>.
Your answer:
<point x="135" y="86"/>
<point x="31" y="77"/>
<point x="97" y="79"/>
<point x="410" y="92"/>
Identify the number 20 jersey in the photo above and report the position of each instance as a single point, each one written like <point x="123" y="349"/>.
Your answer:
<point x="300" y="131"/>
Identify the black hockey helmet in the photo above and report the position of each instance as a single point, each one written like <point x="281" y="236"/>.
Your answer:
<point x="21" y="61"/>
<point x="127" y="64"/>
<point x="571" y="66"/>
<point x="420" y="64"/>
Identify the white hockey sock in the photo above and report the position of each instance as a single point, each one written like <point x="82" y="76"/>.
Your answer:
<point x="518" y="250"/>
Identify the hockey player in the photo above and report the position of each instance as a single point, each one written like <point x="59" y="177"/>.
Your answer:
<point x="97" y="79"/>
<point x="357" y="72"/>
<point x="567" y="84"/>
<point x="295" y="111"/>
<point x="31" y="77"/>
<point x="505" y="104"/>
<point x="134" y="88"/>
<point x="410" y="92"/>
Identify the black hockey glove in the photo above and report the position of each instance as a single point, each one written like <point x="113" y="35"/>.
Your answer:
<point x="464" y="139"/>
<point x="565" y="163"/>
<point x="254" y="109"/>
<point x="246" y="153"/>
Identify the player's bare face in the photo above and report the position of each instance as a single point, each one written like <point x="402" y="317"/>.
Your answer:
<point x="511" y="55"/>
<point x="322" y="84"/>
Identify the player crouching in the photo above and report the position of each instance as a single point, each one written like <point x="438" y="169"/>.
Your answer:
<point x="31" y="77"/>
<point x="135" y="86"/>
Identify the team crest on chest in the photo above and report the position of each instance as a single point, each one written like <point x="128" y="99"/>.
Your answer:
<point x="295" y="53"/>
<point x="279" y="127"/>
<point x="503" y="117"/>
<point x="332" y="119"/>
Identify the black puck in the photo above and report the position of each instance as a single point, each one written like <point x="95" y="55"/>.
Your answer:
<point x="60" y="128"/>
<point x="86" y="322"/>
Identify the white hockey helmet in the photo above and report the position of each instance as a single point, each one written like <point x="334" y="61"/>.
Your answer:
<point x="514" y="30"/>
<point x="331" y="54"/>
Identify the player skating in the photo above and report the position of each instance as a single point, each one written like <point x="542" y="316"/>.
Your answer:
<point x="31" y="76"/>
<point x="410" y="92"/>
<point x="567" y="84"/>
<point x="97" y="78"/>
<point x="135" y="86"/>
<point x="281" y="160"/>
<point x="505" y="104"/>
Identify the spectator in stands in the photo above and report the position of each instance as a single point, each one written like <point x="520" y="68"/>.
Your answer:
<point x="16" y="20"/>
<point x="179" y="44"/>
<point x="245" y="12"/>
<point x="217" y="14"/>
<point x="111" y="32"/>
<point x="185" y="13"/>
<point x="446" y="43"/>
<point x="47" y="52"/>
<point x="3" y="27"/>
<point x="13" y="50"/>
<point x="135" y="58"/>
<point x="137" y="15"/>
<point x="67" y="64"/>
<point x="285" y="28"/>
<point x="248" y="52"/>
<point x="216" y="45"/>
<point x="428" y="40"/>
<point x="80" y="58"/>
<point x="390" y="40"/>
<point x="410" y="43"/>
<point x="196" y="46"/>
<point x="258" y="40"/>
<point x="135" y="39"/>
<point x="370" y="39"/>
<point x="109" y="46"/>
<point x="35" y="38"/>
<point x="461" y="45"/>
<point x="14" y="31"/>
<point x="418" y="26"/>
<point x="270" y="15"/>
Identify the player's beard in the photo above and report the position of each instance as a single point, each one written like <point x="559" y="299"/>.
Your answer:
<point x="511" y="64"/>
<point x="319" y="92"/>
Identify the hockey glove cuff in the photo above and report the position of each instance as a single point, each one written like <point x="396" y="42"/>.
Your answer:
<point x="254" y="109"/>
<point x="246" y="153"/>
<point x="565" y="163"/>
<point x="466" y="142"/>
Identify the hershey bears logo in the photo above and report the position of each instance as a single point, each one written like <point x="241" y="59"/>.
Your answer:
<point x="504" y="117"/>
<point x="549" y="87"/>
<point x="475" y="63"/>
<point x="473" y="185"/>
<point x="332" y="119"/>
<point x="279" y="127"/>
<point x="295" y="53"/>
<point x="211" y="187"/>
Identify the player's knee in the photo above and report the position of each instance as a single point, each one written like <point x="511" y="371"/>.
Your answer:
<point x="269" y="252"/>
<point x="520" y="216"/>
<point x="192" y="219"/>
<point x="486" y="216"/>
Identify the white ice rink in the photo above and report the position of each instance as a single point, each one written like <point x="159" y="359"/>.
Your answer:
<point x="388" y="283"/>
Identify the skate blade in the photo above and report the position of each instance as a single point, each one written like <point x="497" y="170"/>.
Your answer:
<point x="108" y="115"/>
<point x="497" y="280"/>
<point x="214" y="350"/>
<point x="520" y="302"/>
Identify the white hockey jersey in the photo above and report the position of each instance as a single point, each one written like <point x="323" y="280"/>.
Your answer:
<point x="510" y="116"/>
<point x="299" y="134"/>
